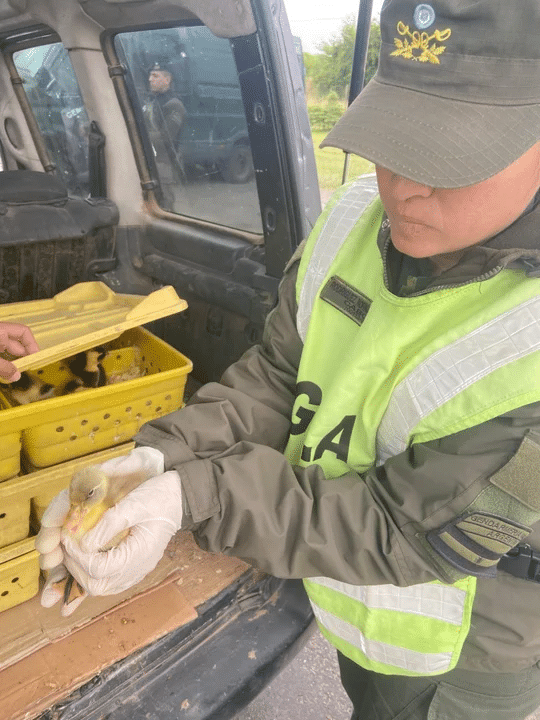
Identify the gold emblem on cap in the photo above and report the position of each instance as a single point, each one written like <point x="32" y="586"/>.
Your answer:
<point x="416" y="44"/>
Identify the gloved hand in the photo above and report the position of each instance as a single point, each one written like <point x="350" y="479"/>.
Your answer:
<point x="152" y="512"/>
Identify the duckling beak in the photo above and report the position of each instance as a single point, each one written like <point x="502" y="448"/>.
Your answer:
<point x="74" y="519"/>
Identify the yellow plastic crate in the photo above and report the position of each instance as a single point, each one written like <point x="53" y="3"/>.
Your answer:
<point x="19" y="573"/>
<point x="61" y="428"/>
<point x="10" y="454"/>
<point x="83" y="316"/>
<point x="86" y="315"/>
<point x="14" y="519"/>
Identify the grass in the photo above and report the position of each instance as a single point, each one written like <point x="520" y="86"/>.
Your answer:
<point x="330" y="164"/>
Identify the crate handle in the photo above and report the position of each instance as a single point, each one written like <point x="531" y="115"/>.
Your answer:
<point x="164" y="301"/>
<point x="85" y="293"/>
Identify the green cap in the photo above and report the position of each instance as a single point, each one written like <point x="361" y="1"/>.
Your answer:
<point x="456" y="97"/>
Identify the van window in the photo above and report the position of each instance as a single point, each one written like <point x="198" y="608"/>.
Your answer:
<point x="53" y="93"/>
<point x="186" y="91"/>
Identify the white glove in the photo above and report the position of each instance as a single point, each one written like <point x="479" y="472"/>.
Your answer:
<point x="153" y="514"/>
<point x="48" y="540"/>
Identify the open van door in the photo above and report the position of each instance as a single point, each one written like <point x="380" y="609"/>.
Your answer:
<point x="228" y="206"/>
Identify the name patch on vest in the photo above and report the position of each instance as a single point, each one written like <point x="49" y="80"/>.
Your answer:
<point x="346" y="298"/>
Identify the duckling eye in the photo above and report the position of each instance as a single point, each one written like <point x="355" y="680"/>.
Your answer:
<point x="91" y="492"/>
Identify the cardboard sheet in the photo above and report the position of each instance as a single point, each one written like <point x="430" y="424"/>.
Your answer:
<point x="35" y="683"/>
<point x="28" y="627"/>
<point x="44" y="657"/>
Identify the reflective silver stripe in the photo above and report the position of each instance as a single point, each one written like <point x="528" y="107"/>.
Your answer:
<point x="508" y="337"/>
<point x="422" y="663"/>
<point x="334" y="232"/>
<point x="442" y="602"/>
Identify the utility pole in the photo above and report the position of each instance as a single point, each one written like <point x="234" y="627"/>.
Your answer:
<point x="363" y="25"/>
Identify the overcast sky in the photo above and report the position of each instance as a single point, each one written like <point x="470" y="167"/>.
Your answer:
<point x="316" y="21"/>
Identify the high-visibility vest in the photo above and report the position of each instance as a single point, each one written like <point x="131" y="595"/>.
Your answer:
<point x="380" y="372"/>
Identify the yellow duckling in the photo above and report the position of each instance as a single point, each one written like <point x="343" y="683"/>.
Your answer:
<point x="91" y="494"/>
<point x="29" y="388"/>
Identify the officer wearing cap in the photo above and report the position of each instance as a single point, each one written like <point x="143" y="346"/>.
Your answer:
<point x="383" y="440"/>
<point x="165" y="115"/>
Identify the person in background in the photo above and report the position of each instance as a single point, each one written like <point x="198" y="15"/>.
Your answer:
<point x="165" y="114"/>
<point x="15" y="339"/>
<point x="383" y="440"/>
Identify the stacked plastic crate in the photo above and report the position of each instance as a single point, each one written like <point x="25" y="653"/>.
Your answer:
<point x="44" y="442"/>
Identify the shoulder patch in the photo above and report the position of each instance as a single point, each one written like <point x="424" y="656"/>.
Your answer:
<point x="475" y="542"/>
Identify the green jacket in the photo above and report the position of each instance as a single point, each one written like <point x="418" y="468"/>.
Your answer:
<point x="227" y="446"/>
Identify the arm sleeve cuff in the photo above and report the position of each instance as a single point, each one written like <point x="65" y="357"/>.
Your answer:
<point x="200" y="490"/>
<point x="174" y="451"/>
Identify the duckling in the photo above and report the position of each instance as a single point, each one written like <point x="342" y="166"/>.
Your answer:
<point x="91" y="494"/>
<point x="75" y="385"/>
<point x="87" y="367"/>
<point x="29" y="388"/>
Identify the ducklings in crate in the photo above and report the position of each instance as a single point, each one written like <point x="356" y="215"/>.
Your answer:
<point x="88" y="370"/>
<point x="106" y="366"/>
<point x="29" y="388"/>
<point x="92" y="368"/>
<point x="103" y="366"/>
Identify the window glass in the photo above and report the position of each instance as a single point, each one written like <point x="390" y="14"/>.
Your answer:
<point x="186" y="86"/>
<point x="53" y="93"/>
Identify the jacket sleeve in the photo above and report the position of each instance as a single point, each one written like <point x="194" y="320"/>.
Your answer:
<point x="243" y="498"/>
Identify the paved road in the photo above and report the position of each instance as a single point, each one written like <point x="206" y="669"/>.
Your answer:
<point x="308" y="689"/>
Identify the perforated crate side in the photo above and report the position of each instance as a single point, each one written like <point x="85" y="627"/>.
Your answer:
<point x="14" y="519"/>
<point x="19" y="579"/>
<point x="114" y="423"/>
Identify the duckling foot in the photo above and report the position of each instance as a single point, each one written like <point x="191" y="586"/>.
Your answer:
<point x="73" y="595"/>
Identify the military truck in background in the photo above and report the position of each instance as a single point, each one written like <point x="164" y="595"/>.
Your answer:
<point x="215" y="136"/>
<point x="82" y="199"/>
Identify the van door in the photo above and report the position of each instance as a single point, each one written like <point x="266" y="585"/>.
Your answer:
<point x="230" y="191"/>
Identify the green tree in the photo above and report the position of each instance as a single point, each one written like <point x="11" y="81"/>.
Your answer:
<point x="310" y="61"/>
<point x="331" y="68"/>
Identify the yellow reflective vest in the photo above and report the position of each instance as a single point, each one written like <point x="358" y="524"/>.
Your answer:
<point x="379" y="373"/>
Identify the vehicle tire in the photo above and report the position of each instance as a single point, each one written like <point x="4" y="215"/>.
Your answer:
<point x="238" y="167"/>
